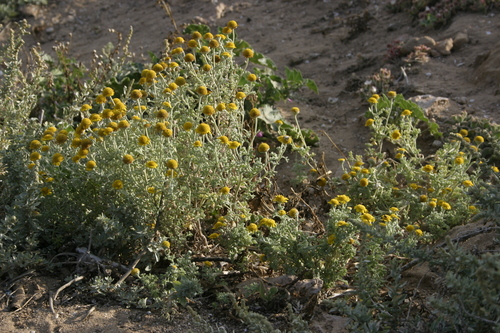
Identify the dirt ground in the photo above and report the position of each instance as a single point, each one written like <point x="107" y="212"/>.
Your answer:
<point x="316" y="37"/>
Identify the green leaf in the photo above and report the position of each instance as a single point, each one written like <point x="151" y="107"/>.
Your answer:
<point x="417" y="112"/>
<point x="312" y="85"/>
<point x="260" y="59"/>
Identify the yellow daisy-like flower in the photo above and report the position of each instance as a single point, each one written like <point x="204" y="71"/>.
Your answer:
<point x="281" y="212"/>
<point x="270" y="223"/>
<point x="248" y="53"/>
<point x="254" y="113"/>
<point x="391" y="94"/>
<point x="85" y="107"/>
<point x="180" y="81"/>
<point x="202" y="90"/>
<point x="232" y="106"/>
<point x="213" y="235"/>
<point x="479" y="139"/>
<point x="280" y="198"/>
<point x="108" y="92"/>
<point x="143" y="140"/>
<point x="189" y="58"/>
<point x="151" y="190"/>
<point x="459" y="160"/>
<point x="406" y="113"/>
<point x="295" y="110"/>
<point x="31" y="165"/>
<point x="218" y="225"/>
<point x="224" y="139"/>
<point x="396" y="135"/>
<point x="234" y="144"/>
<point x="263" y="147"/>
<point x="208" y="110"/>
<point x="208" y="36"/>
<point x="136" y="94"/>
<point x="232" y="24"/>
<point x="203" y="129"/>
<point x="224" y="190"/>
<point x="285" y="139"/>
<point x="428" y="168"/>
<point x="495" y="169"/>
<point x="369" y="122"/>
<point x="334" y="202"/>
<point x="117" y="184"/>
<point x="214" y="44"/>
<point x="135" y="272"/>
<point x="343" y="199"/>
<point x="240" y="95"/>
<point x="35" y="156"/>
<point x="367" y="218"/>
<point x="446" y="205"/>
<point x="341" y="224"/>
<point x="364" y="182"/>
<point x="45" y="191"/>
<point x="464" y="132"/>
<point x="197" y="143"/>
<point x="387" y="218"/>
<point x="419" y="232"/>
<point x="372" y="100"/>
<point x="410" y="228"/>
<point x="423" y="198"/>
<point x="321" y="182"/>
<point x="331" y="239"/>
<point x="162" y="114"/>
<point x="35" y="144"/>
<point x="151" y="164"/>
<point x="57" y="158"/>
<point x="360" y="209"/>
<point x="100" y="99"/>
<point x="90" y="165"/>
<point x="467" y="183"/>
<point x="127" y="159"/>
<point x="172" y="164"/>
<point x="206" y="68"/>
<point x="252" y="227"/>
<point x="346" y="176"/>
<point x="165" y="244"/>
<point x="187" y="126"/>
<point x="293" y="213"/>
<point x="192" y="43"/>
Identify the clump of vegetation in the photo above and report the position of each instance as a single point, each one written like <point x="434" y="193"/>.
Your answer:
<point x="158" y="179"/>
<point x="435" y="14"/>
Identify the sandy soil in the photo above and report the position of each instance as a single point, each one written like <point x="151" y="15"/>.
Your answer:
<point x="315" y="37"/>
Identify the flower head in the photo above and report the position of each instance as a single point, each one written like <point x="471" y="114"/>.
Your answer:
<point x="143" y="140"/>
<point x="172" y="164"/>
<point x="117" y="184"/>
<point x="396" y="135"/>
<point x="252" y="227"/>
<point x="280" y="199"/>
<point x="428" y="168"/>
<point x="363" y="182"/>
<point x="90" y="165"/>
<point x="225" y="190"/>
<point x="203" y="129"/>
<point x="270" y="223"/>
<point x="263" y="147"/>
<point x="151" y="164"/>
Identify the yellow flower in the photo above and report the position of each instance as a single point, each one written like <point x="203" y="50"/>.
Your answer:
<point x="372" y="100"/>
<point x="394" y="209"/>
<point x="85" y="107"/>
<point x="202" y="90"/>
<point x="152" y="164"/>
<point x="363" y="182"/>
<point x="295" y="110"/>
<point x="162" y="114"/>
<point x="227" y="30"/>
<point x="252" y="227"/>
<point x="341" y="223"/>
<point x="285" y="139"/>
<point x="221" y="106"/>
<point x="360" y="209"/>
<point x="432" y="204"/>
<point x="280" y="198"/>
<point x="90" y="165"/>
<point x="45" y="191"/>
<point x="31" y="165"/>
<point x="224" y="139"/>
<point x="35" y="156"/>
<point x="428" y="168"/>
<point x="240" y="95"/>
<point x="172" y="164"/>
<point x="479" y="139"/>
<point x="213" y="44"/>
<point x="213" y="235"/>
<point x="293" y="213"/>
<point x="252" y="77"/>
<point x="197" y="143"/>
<point x="135" y="272"/>
<point x="57" y="158"/>
<point x="117" y="184"/>
<point x="254" y="113"/>
<point x="263" y="147"/>
<point x="387" y="218"/>
<point x="234" y="144"/>
<point x="208" y="36"/>
<point x="127" y="159"/>
<point x="100" y="99"/>
<point x="225" y="190"/>
<point x="369" y="122"/>
<point x="187" y="126"/>
<point x="180" y="81"/>
<point x="331" y="239"/>
<point x="467" y="183"/>
<point x="334" y="202"/>
<point x="376" y="96"/>
<point x="268" y="222"/>
<point x="321" y="182"/>
<point x="218" y="225"/>
<point x="208" y="110"/>
<point x="143" y="140"/>
<point x="464" y="132"/>
<point x="192" y="43"/>
<point x="495" y="169"/>
<point x="406" y="113"/>
<point x="35" y="144"/>
<point x="190" y="58"/>
<point x="391" y="94"/>
<point x="343" y="199"/>
<point x="446" y="205"/>
<point x="346" y="176"/>
<point x="203" y="129"/>
<point x="151" y="190"/>
<point x="281" y="212"/>
<point x="206" y="68"/>
<point x="423" y="198"/>
<point x="230" y="45"/>
<point x="367" y="218"/>
<point x="158" y="68"/>
<point x="108" y="92"/>
<point x="459" y="160"/>
<point x="396" y="135"/>
<point x="232" y="24"/>
<point x="165" y="244"/>
<point x="410" y="228"/>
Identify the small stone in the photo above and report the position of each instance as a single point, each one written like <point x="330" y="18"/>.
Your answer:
<point x="460" y="39"/>
<point x="410" y="44"/>
<point x="444" y="47"/>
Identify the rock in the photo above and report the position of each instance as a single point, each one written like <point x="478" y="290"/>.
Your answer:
<point x="460" y="39"/>
<point x="488" y="70"/>
<point x="444" y="47"/>
<point x="431" y="105"/>
<point x="410" y="44"/>
<point x="327" y="323"/>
